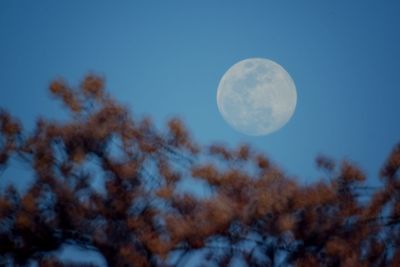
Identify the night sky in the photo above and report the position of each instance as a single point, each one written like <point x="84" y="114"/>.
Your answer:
<point x="165" y="58"/>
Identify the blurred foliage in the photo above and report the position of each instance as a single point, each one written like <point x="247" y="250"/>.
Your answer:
<point x="140" y="217"/>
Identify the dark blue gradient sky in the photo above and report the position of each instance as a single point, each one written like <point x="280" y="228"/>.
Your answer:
<point x="165" y="58"/>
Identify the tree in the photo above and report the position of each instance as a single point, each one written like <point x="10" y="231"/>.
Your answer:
<point x="141" y="216"/>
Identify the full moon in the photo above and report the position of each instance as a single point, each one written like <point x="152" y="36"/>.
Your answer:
<point x="256" y="96"/>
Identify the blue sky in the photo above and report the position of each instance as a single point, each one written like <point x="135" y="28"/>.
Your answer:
<point x="165" y="58"/>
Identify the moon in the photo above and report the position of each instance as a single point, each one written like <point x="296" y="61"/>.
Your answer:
<point x="256" y="96"/>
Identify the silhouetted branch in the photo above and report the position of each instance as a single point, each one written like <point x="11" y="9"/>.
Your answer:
<point x="138" y="216"/>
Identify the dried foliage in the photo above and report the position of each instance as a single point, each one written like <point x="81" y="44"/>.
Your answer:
<point x="141" y="216"/>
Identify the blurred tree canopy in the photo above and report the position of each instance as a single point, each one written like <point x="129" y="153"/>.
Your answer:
<point x="139" y="215"/>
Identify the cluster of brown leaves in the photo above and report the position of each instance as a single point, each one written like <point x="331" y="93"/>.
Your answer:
<point x="139" y="216"/>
